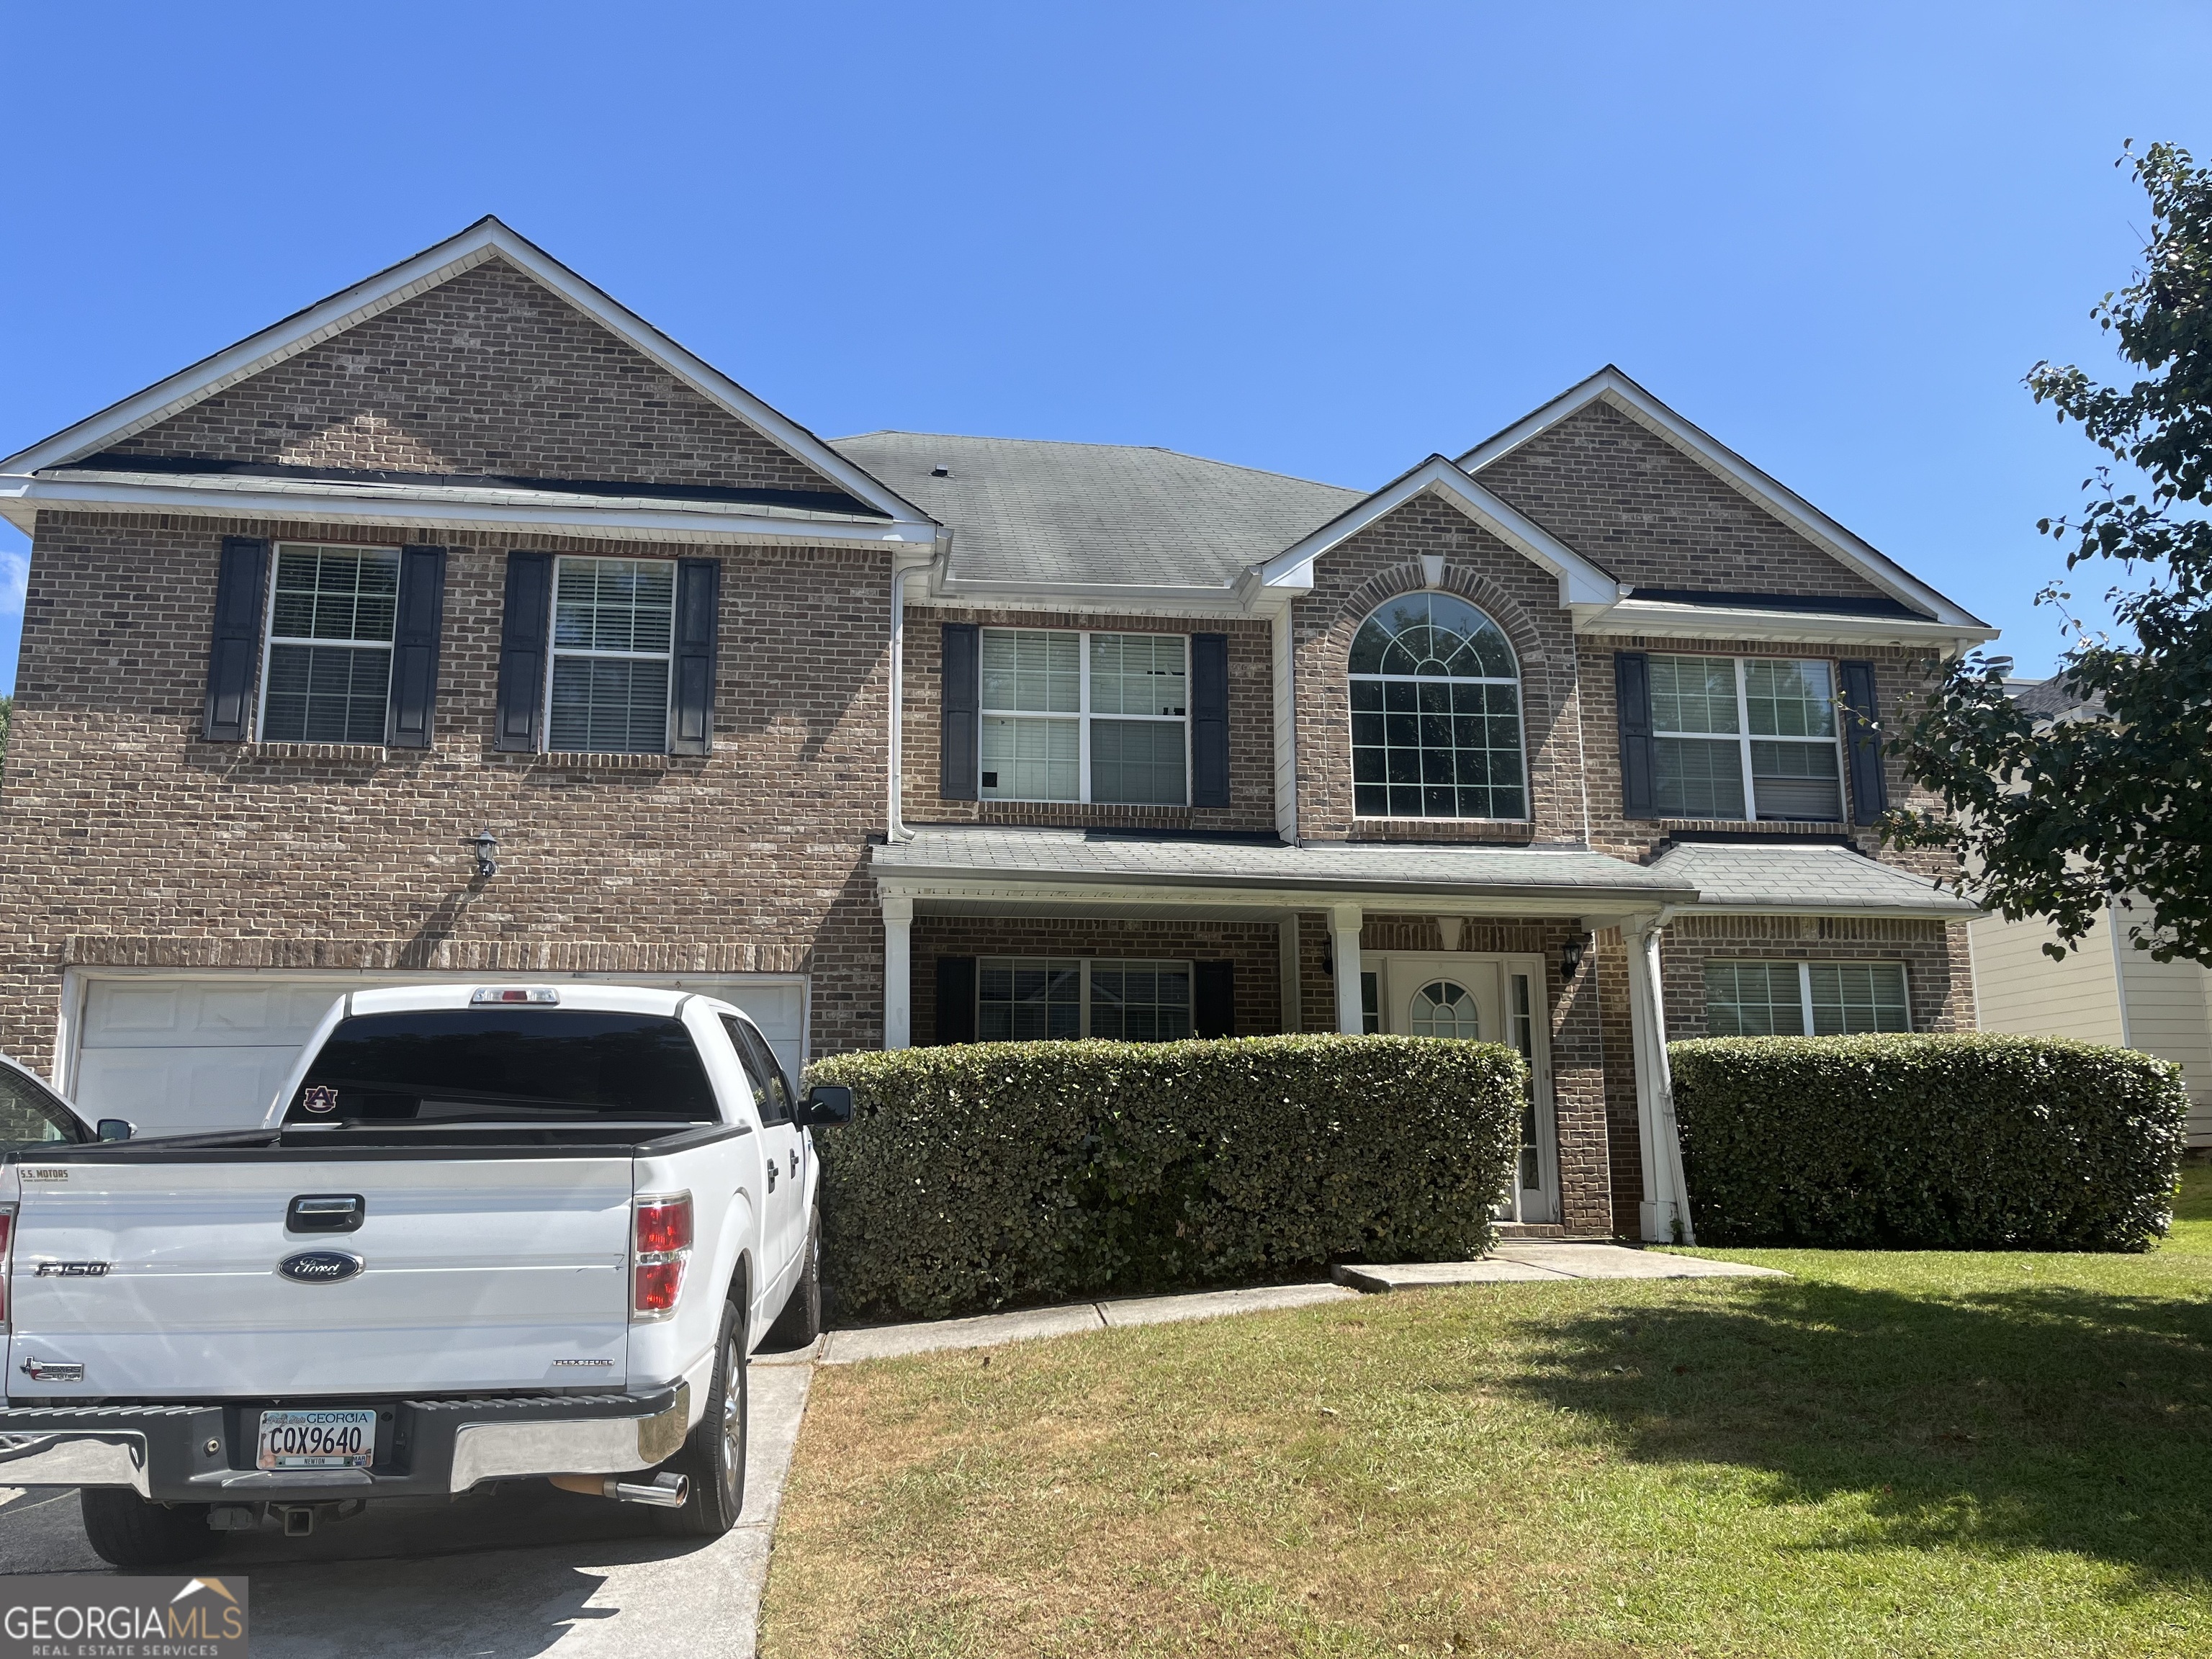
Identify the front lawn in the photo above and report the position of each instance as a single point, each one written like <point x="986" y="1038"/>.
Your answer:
<point x="1888" y="1453"/>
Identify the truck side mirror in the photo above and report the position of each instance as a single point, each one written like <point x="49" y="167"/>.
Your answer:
<point x="114" y="1128"/>
<point x="827" y="1103"/>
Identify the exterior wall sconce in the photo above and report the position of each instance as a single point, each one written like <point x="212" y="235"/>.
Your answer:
<point x="487" y="847"/>
<point x="1571" y="957"/>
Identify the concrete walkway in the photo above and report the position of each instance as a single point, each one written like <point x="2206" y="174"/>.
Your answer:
<point x="1523" y="1260"/>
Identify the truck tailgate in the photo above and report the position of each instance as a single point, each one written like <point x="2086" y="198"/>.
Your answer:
<point x="477" y="1273"/>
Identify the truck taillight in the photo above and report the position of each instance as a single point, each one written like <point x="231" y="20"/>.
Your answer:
<point x="7" y="1257"/>
<point x="660" y="1246"/>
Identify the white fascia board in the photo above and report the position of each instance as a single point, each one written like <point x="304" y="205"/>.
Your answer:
<point x="21" y="500"/>
<point x="485" y="240"/>
<point x="1611" y="386"/>
<point x="1581" y="582"/>
<point x="1938" y="910"/>
<point x="1700" y="622"/>
<point x="948" y="886"/>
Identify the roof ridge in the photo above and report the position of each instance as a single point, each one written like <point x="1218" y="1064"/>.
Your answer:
<point x="1086" y="443"/>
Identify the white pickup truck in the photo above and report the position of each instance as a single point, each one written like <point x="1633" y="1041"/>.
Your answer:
<point x="489" y="1232"/>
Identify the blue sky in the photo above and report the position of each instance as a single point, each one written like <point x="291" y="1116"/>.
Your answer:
<point x="1324" y="240"/>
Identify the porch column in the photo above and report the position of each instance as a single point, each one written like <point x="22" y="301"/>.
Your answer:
<point x="1344" y="921"/>
<point x="899" y="971"/>
<point x="1666" y="1196"/>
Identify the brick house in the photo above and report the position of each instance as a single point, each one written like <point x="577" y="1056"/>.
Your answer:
<point x="1569" y="741"/>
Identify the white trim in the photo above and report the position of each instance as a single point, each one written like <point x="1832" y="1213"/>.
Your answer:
<point x="1661" y="618"/>
<point x="954" y="892"/>
<point x="1581" y="582"/>
<point x="485" y="240"/>
<point x="1609" y="385"/>
<point x="431" y="508"/>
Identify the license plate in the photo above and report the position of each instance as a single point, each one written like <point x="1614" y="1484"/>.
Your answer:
<point x="317" y="1440"/>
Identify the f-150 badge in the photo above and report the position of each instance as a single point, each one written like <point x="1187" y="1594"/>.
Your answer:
<point x="321" y="1097"/>
<point x="72" y="1269"/>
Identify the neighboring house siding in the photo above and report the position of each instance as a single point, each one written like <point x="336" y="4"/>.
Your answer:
<point x="1383" y="560"/>
<point x="1654" y="518"/>
<point x="137" y="843"/>
<point x="2019" y="989"/>
<point x="2170" y="1015"/>
<point x="1251" y="752"/>
<point x="489" y="373"/>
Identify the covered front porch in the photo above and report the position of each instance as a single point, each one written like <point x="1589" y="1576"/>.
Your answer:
<point x="993" y="934"/>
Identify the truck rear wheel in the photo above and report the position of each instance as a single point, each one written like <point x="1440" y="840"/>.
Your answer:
<point x="125" y="1530"/>
<point x="800" y="1322"/>
<point x="713" y="1456"/>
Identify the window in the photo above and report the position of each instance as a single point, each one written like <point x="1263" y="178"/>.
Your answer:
<point x="1436" y="713"/>
<point x="327" y="678"/>
<point x="771" y="1091"/>
<point x="1794" y="998"/>
<point x="1726" y="730"/>
<point x="29" y="1115"/>
<point x="1443" y="1009"/>
<point x="613" y="626"/>
<point x="1031" y="998"/>
<point x="1085" y="717"/>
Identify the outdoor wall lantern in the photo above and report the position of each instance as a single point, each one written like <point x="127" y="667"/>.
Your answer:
<point x="1570" y="956"/>
<point x="487" y="847"/>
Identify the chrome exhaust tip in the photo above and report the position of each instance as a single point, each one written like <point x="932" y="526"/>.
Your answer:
<point x="666" y="1492"/>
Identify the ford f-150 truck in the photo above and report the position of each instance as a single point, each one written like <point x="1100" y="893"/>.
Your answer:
<point x="489" y="1232"/>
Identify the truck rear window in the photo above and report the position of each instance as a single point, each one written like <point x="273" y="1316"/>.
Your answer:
<point x="505" y="1064"/>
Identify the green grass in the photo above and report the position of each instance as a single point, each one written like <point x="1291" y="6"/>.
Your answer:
<point x="1886" y="1453"/>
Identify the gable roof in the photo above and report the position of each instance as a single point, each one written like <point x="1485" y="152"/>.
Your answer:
<point x="1028" y="514"/>
<point x="487" y="238"/>
<point x="1581" y="581"/>
<point x="1611" y="386"/>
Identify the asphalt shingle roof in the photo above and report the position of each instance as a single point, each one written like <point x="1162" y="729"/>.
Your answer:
<point x="1092" y="856"/>
<point x="2052" y="699"/>
<point x="1025" y="510"/>
<point x="1827" y="879"/>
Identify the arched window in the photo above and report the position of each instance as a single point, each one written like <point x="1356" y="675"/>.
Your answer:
<point x="1436" y="713"/>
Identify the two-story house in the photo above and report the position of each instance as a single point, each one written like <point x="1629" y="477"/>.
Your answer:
<point x="1569" y="741"/>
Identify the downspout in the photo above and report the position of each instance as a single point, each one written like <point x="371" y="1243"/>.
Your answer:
<point x="1647" y="1017"/>
<point x="902" y="566"/>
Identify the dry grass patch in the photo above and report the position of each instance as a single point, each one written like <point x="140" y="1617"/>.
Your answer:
<point x="1890" y="1454"/>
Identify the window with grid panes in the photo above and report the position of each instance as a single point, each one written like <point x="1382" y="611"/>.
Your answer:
<point x="1033" y="999"/>
<point x="331" y="615"/>
<point x="1436" y="713"/>
<point x="613" y="627"/>
<point x="1800" y="998"/>
<point x="1729" y="733"/>
<point x="1070" y="716"/>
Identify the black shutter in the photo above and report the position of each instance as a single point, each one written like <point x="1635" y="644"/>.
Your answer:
<point x="1209" y="719"/>
<point x="235" y="650"/>
<point x="957" y="750"/>
<point x="522" y="629"/>
<point x="1862" y="744"/>
<point x="956" y="999"/>
<point x="698" y="602"/>
<point x="1631" y="685"/>
<point x="1213" y="999"/>
<point x="414" y="647"/>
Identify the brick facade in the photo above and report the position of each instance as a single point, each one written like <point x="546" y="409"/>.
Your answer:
<point x="129" y="828"/>
<point x="486" y="373"/>
<point x="1251" y="752"/>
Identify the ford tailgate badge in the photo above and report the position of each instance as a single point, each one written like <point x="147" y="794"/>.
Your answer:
<point x="320" y="1266"/>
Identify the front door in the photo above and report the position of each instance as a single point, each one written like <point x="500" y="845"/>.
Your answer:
<point x="1492" y="999"/>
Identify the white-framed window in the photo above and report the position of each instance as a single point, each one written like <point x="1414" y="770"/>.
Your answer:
<point x="1071" y="716"/>
<point x="613" y="636"/>
<point x="1031" y="998"/>
<point x="1746" y="738"/>
<point x="1436" y="713"/>
<point x="1803" y="998"/>
<point x="327" y="668"/>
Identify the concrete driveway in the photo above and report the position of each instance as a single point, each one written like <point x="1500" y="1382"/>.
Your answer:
<point x="522" y="1570"/>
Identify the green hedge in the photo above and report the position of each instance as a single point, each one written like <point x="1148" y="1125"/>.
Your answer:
<point x="1967" y="1142"/>
<point x="984" y="1173"/>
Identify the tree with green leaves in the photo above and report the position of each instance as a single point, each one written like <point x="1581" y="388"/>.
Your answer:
<point x="2060" y="817"/>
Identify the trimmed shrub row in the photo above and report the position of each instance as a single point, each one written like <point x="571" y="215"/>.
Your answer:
<point x="1961" y="1142"/>
<point x="984" y="1173"/>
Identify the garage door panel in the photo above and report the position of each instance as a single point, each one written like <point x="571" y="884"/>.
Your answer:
<point x="174" y="1055"/>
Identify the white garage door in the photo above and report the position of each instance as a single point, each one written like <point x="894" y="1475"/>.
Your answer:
<point x="208" y="1051"/>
